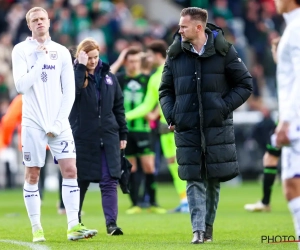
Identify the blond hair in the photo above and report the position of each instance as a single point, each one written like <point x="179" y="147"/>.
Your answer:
<point x="87" y="45"/>
<point x="34" y="9"/>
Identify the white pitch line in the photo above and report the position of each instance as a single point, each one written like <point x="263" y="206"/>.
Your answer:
<point x="32" y="246"/>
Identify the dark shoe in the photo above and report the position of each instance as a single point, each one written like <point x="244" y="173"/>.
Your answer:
<point x="208" y="235"/>
<point x="112" y="229"/>
<point x="198" y="237"/>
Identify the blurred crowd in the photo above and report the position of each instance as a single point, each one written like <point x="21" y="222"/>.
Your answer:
<point x="249" y="24"/>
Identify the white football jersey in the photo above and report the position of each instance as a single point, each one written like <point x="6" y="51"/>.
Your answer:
<point x="288" y="68"/>
<point x="46" y="82"/>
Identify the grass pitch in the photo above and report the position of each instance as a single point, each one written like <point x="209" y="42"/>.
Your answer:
<point x="234" y="227"/>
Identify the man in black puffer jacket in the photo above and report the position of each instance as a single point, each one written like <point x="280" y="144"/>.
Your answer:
<point x="203" y="82"/>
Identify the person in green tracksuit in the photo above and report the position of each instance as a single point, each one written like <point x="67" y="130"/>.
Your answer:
<point x="157" y="49"/>
<point x="134" y="85"/>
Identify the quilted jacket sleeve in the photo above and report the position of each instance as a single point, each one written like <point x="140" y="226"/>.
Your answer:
<point x="239" y="79"/>
<point x="167" y="92"/>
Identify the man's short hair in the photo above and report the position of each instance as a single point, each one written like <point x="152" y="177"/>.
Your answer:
<point x="196" y="14"/>
<point x="298" y="2"/>
<point x="159" y="46"/>
<point x="133" y="50"/>
<point x="34" y="9"/>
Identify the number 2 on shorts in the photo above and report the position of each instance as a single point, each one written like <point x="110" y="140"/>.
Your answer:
<point x="66" y="145"/>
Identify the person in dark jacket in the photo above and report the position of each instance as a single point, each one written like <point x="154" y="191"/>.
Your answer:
<point x="99" y="128"/>
<point x="203" y="82"/>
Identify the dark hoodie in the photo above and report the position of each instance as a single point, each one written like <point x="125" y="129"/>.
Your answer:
<point x="198" y="95"/>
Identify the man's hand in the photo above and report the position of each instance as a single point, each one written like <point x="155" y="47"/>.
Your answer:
<point x="119" y="62"/>
<point x="282" y="134"/>
<point x="172" y="128"/>
<point x="83" y="58"/>
<point x="123" y="144"/>
<point x="122" y="55"/>
<point x="42" y="48"/>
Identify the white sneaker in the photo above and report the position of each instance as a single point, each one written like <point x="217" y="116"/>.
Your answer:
<point x="257" y="207"/>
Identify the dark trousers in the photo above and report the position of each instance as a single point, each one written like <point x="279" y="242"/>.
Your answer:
<point x="108" y="187"/>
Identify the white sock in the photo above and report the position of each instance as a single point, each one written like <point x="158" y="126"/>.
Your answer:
<point x="70" y="196"/>
<point x="294" y="206"/>
<point x="33" y="204"/>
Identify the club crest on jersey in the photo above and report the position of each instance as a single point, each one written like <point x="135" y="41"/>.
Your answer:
<point x="108" y="80"/>
<point x="27" y="156"/>
<point x="53" y="55"/>
<point x="46" y="66"/>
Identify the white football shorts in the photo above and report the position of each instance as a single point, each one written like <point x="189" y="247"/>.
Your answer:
<point x="35" y="141"/>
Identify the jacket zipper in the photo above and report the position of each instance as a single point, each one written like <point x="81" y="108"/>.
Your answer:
<point x="99" y="110"/>
<point x="99" y="105"/>
<point x="198" y="80"/>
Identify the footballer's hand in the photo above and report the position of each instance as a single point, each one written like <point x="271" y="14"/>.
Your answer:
<point x="282" y="131"/>
<point x="42" y="48"/>
<point x="54" y="131"/>
<point x="121" y="58"/>
<point x="83" y="58"/>
<point x="50" y="135"/>
<point x="152" y="116"/>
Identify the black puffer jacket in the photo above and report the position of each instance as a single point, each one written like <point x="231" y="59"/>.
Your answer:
<point x="97" y="122"/>
<point x="198" y="95"/>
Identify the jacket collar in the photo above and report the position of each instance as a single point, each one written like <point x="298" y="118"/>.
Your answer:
<point x="203" y="47"/>
<point x="215" y="43"/>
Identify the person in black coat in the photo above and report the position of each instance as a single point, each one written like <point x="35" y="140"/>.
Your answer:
<point x="203" y="82"/>
<point x="99" y="128"/>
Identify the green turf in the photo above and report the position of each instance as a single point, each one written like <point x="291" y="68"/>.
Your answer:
<point x="234" y="228"/>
